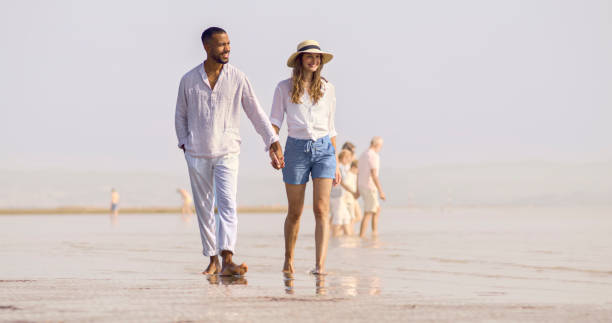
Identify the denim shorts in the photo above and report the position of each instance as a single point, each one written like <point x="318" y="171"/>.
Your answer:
<point x="304" y="157"/>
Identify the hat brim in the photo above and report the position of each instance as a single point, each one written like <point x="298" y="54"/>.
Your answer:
<point x="326" y="56"/>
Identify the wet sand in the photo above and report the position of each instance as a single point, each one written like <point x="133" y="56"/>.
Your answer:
<point x="126" y="210"/>
<point x="465" y="265"/>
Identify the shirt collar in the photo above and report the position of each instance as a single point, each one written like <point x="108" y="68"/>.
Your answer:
<point x="205" y="76"/>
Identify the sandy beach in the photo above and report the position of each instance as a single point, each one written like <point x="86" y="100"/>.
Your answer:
<point x="462" y="265"/>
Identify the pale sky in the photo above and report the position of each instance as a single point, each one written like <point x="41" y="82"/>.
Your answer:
<point x="91" y="85"/>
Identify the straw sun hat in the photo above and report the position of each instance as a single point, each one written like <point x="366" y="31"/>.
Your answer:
<point x="309" y="46"/>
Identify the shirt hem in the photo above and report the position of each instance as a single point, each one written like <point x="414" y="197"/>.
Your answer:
<point x="211" y="156"/>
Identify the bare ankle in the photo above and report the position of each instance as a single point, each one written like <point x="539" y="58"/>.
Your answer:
<point x="226" y="255"/>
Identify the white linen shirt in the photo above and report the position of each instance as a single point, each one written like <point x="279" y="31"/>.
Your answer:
<point x="305" y="120"/>
<point x="207" y="121"/>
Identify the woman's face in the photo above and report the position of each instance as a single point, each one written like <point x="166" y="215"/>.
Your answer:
<point x="311" y="61"/>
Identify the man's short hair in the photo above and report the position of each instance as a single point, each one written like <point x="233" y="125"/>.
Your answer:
<point x="376" y="140"/>
<point x="209" y="32"/>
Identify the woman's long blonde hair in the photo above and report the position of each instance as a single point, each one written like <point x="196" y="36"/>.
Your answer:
<point x="297" y="89"/>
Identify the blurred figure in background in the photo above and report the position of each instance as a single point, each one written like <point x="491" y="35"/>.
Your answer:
<point x="187" y="202"/>
<point x="352" y="200"/>
<point x="369" y="185"/>
<point x="350" y="147"/>
<point x="114" y="208"/>
<point x="351" y="194"/>
<point x="340" y="213"/>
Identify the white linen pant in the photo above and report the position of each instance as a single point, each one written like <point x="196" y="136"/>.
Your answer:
<point x="215" y="179"/>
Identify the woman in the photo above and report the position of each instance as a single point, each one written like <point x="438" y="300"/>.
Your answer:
<point x="308" y="101"/>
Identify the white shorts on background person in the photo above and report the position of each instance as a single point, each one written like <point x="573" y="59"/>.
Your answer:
<point x="350" y="206"/>
<point x="339" y="211"/>
<point x="370" y="199"/>
<point x="349" y="199"/>
<point x="215" y="179"/>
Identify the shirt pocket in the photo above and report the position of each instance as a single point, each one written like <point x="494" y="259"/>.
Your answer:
<point x="223" y="112"/>
<point x="199" y="102"/>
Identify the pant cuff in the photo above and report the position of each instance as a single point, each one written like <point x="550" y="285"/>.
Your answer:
<point x="226" y="248"/>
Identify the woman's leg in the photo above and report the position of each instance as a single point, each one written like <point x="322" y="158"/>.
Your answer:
<point x="295" y="199"/>
<point x="321" y="191"/>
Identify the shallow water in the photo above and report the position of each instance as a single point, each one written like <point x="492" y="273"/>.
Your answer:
<point x="547" y="263"/>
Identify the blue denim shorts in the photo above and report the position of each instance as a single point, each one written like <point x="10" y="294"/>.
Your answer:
<point x="304" y="157"/>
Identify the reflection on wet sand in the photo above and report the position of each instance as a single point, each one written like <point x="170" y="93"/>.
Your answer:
<point x="349" y="284"/>
<point x="114" y="220"/>
<point x="226" y="280"/>
<point x="333" y="284"/>
<point x="289" y="281"/>
<point x="320" y="284"/>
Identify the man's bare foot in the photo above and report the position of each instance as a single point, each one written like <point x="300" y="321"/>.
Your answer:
<point x="213" y="268"/>
<point x="288" y="267"/>
<point x="231" y="269"/>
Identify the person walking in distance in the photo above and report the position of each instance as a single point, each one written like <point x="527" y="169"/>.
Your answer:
<point x="369" y="185"/>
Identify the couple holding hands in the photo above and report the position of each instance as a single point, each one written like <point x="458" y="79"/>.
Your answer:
<point x="207" y="126"/>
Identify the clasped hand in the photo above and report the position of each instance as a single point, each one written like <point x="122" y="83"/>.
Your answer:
<point x="277" y="160"/>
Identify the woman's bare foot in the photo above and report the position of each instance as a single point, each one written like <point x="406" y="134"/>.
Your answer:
<point x="318" y="271"/>
<point x="288" y="267"/>
<point x="231" y="269"/>
<point x="213" y="268"/>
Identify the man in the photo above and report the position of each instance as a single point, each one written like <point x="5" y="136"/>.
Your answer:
<point x="369" y="185"/>
<point x="207" y="125"/>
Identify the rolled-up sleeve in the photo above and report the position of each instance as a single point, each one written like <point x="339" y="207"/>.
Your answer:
<point x="277" y="114"/>
<point x="256" y="115"/>
<point x="332" y="114"/>
<point x="180" y="116"/>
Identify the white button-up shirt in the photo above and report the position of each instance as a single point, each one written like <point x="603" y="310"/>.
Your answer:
<point x="305" y="120"/>
<point x="207" y="121"/>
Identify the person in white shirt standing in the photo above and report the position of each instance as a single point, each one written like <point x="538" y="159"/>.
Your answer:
<point x="369" y="185"/>
<point x="207" y="122"/>
<point x="309" y="103"/>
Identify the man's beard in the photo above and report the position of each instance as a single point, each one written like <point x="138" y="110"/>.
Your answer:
<point x="220" y="60"/>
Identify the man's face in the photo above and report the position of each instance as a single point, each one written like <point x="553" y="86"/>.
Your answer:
<point x="218" y="48"/>
<point x="379" y="146"/>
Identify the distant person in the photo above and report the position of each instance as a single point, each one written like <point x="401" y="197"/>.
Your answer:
<point x="308" y="101"/>
<point x="356" y="213"/>
<point x="207" y="122"/>
<point x="187" y="202"/>
<point x="340" y="213"/>
<point x="369" y="185"/>
<point x="114" y="202"/>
